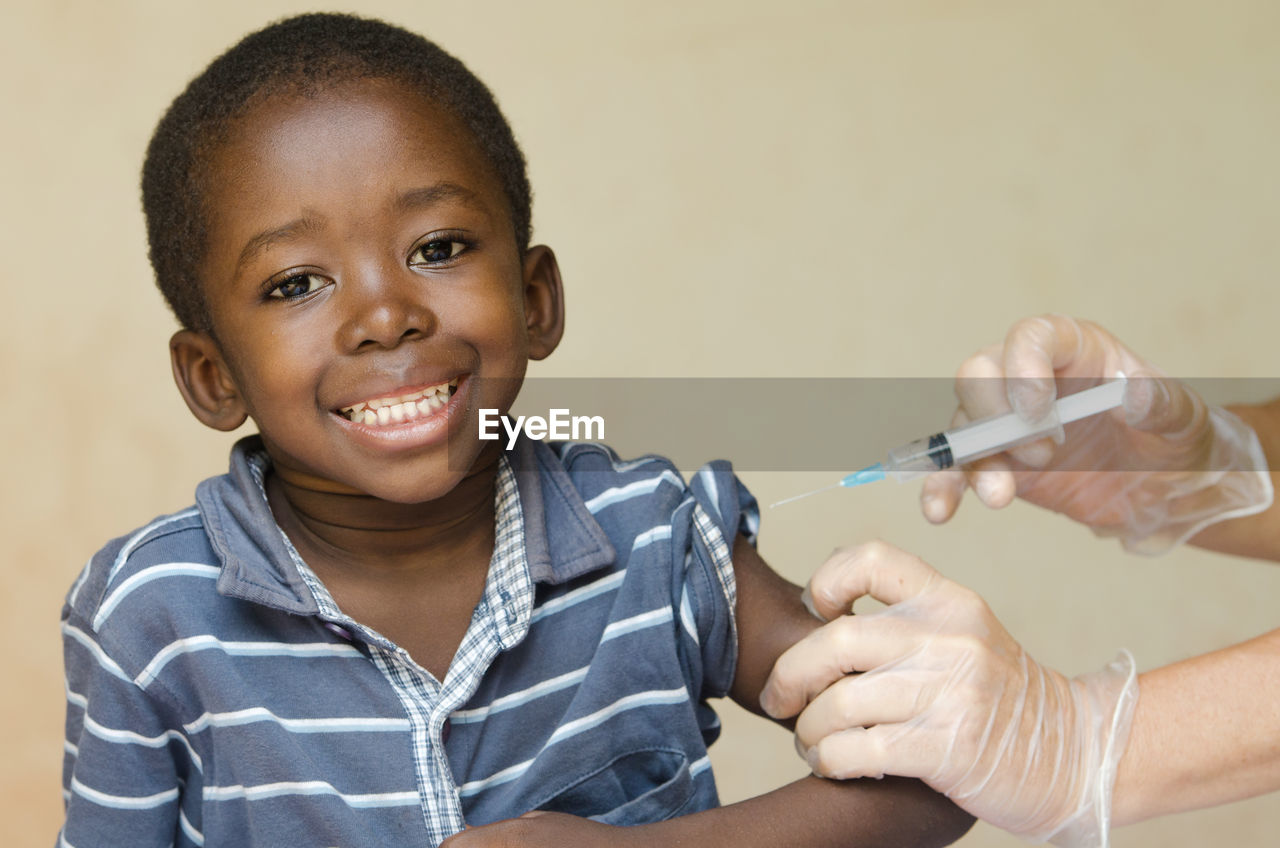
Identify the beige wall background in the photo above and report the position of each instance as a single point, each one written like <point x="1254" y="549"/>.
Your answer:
<point x="809" y="188"/>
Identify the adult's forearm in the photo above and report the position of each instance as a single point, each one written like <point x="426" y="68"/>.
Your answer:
<point x="1206" y="732"/>
<point x="815" y="812"/>
<point x="1256" y="536"/>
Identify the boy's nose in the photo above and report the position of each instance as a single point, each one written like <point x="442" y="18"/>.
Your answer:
<point x="386" y="309"/>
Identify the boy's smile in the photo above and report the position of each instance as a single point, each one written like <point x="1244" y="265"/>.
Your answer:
<point x="365" y="290"/>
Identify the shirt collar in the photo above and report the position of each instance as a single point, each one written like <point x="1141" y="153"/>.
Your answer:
<point x="256" y="562"/>
<point x="548" y="499"/>
<point x="258" y="566"/>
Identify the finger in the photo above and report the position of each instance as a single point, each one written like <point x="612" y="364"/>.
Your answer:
<point x="1038" y="453"/>
<point x="940" y="495"/>
<point x="980" y="387"/>
<point x="1159" y="404"/>
<point x="874" y="752"/>
<point x="941" y="492"/>
<point x="828" y="654"/>
<point x="878" y="569"/>
<point x="1034" y="350"/>
<point x="887" y="695"/>
<point x="992" y="481"/>
<point x="848" y="644"/>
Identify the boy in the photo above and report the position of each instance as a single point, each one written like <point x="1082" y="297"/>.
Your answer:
<point x="378" y="627"/>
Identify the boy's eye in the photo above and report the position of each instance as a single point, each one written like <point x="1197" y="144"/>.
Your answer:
<point x="296" y="286"/>
<point x="438" y="250"/>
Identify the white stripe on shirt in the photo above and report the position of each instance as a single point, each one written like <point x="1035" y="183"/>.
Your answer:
<point x="141" y="536"/>
<point x="194" y="835"/>
<point x="708" y="478"/>
<point x="633" y="464"/>
<point x="648" y="537"/>
<point x="583" y="593"/>
<point x="241" y="649"/>
<point x="74" y="698"/>
<point x="636" y="622"/>
<point x="630" y="702"/>
<point x="524" y="696"/>
<point x="580" y="725"/>
<point x="618" y="494"/>
<point x="95" y="649"/>
<point x="75" y="589"/>
<point x="562" y="681"/>
<point x="308" y="787"/>
<point x="146" y="575"/>
<point x="686" y="616"/>
<point x="128" y="737"/>
<point x="353" y="724"/>
<point x="124" y="802"/>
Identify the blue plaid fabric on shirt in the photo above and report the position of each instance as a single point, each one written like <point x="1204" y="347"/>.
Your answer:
<point x="216" y="693"/>
<point x="499" y="622"/>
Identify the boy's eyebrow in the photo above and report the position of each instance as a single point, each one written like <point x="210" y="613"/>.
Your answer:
<point x="266" y="238"/>
<point x="419" y="198"/>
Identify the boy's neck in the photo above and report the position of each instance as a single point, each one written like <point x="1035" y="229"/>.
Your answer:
<point x="377" y="537"/>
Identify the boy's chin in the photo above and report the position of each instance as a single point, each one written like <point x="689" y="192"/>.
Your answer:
<point x="465" y="469"/>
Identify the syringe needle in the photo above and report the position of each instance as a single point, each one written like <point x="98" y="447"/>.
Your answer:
<point x="805" y="495"/>
<point x="979" y="439"/>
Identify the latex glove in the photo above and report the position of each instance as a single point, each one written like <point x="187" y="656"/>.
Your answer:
<point x="1186" y="465"/>
<point x="949" y="697"/>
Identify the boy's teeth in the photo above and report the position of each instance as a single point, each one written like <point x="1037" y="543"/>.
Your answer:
<point x="403" y="408"/>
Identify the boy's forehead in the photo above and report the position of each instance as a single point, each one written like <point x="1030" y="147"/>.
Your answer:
<point x="366" y="123"/>
<point x="362" y="133"/>
<point x="359" y="142"/>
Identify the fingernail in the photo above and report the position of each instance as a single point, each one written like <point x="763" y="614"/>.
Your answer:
<point x="1031" y="397"/>
<point x="985" y="486"/>
<point x="806" y="598"/>
<point x="768" y="702"/>
<point x="934" y="509"/>
<point x="1037" y="454"/>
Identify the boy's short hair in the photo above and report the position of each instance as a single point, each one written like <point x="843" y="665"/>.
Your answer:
<point x="304" y="53"/>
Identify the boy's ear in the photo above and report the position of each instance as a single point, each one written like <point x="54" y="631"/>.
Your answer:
<point x="204" y="381"/>
<point x="543" y="301"/>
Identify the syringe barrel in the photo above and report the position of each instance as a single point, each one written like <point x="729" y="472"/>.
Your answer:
<point x="921" y="457"/>
<point x="971" y="442"/>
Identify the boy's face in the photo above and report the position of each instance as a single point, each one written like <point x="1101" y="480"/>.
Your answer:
<point x="361" y="254"/>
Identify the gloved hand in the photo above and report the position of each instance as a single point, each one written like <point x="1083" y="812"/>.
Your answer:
<point x="949" y="697"/>
<point x="1186" y="465"/>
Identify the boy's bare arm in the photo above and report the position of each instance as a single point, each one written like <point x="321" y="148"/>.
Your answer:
<point x="809" y="812"/>
<point x="812" y="811"/>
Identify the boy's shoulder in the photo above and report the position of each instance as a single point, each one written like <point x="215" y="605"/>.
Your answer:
<point x="170" y="545"/>
<point x="592" y="465"/>
<point x="611" y="487"/>
<point x="626" y="497"/>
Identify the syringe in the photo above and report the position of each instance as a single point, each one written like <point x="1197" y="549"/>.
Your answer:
<point x="973" y="441"/>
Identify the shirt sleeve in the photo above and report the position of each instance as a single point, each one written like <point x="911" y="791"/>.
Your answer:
<point x="123" y="768"/>
<point x="721" y="508"/>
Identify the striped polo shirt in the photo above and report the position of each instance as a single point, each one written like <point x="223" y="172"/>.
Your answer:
<point x="216" y="694"/>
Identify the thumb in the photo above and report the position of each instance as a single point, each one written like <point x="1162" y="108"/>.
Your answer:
<point x="1158" y="404"/>
<point x="872" y="752"/>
